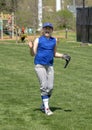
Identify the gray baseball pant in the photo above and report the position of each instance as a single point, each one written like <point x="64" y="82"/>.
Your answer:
<point x="45" y="75"/>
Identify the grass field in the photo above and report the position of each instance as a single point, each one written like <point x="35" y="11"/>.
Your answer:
<point x="20" y="99"/>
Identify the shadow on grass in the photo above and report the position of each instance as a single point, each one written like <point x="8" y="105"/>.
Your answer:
<point x="55" y="109"/>
<point x="68" y="110"/>
<point x="52" y="108"/>
<point x="59" y="108"/>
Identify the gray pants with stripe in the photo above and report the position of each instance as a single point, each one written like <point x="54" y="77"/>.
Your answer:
<point x="45" y="75"/>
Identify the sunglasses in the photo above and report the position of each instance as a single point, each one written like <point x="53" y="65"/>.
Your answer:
<point x="48" y="27"/>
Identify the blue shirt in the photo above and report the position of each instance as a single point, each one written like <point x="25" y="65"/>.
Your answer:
<point x="45" y="51"/>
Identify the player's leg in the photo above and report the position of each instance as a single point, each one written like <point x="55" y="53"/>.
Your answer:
<point x="50" y="77"/>
<point x="41" y="72"/>
<point x="42" y="77"/>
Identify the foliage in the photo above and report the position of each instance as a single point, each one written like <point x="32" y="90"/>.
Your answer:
<point x="28" y="15"/>
<point x="8" y="6"/>
<point x="26" y="12"/>
<point x="64" y="18"/>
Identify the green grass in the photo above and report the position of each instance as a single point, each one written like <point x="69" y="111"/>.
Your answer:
<point x="20" y="99"/>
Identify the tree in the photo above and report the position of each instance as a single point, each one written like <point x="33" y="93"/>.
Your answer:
<point x="64" y="19"/>
<point x="14" y="5"/>
<point x="3" y="5"/>
<point x="26" y="14"/>
<point x="8" y="6"/>
<point x="26" y="11"/>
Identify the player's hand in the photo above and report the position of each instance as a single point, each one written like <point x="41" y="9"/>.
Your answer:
<point x="30" y="44"/>
<point x="67" y="58"/>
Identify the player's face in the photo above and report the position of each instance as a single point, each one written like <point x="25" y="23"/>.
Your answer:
<point x="47" y="31"/>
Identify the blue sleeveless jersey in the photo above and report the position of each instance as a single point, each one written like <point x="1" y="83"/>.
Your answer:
<point x="45" y="51"/>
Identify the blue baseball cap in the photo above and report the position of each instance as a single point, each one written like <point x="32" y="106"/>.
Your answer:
<point x="47" y="25"/>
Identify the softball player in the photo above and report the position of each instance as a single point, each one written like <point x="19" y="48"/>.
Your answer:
<point x="44" y="50"/>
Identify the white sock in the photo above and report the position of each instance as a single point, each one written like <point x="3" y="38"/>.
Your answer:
<point x="46" y="103"/>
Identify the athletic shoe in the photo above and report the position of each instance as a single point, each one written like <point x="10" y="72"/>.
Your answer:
<point x="48" y="112"/>
<point x="42" y="108"/>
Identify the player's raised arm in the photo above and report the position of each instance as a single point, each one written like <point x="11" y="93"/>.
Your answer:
<point x="33" y="47"/>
